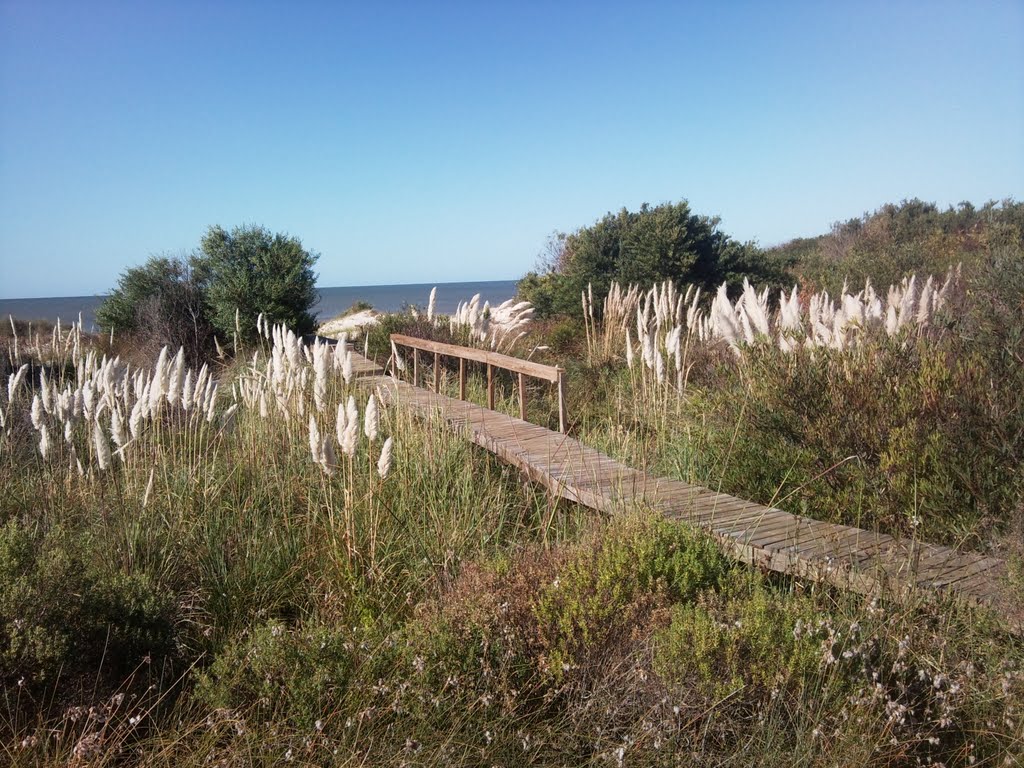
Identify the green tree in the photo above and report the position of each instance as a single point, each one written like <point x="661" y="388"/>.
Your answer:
<point x="664" y="242"/>
<point x="250" y="270"/>
<point x="164" y="301"/>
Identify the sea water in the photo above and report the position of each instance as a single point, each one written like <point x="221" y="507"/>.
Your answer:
<point x="333" y="301"/>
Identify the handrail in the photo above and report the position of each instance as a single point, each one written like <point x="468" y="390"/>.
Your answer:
<point x="551" y="373"/>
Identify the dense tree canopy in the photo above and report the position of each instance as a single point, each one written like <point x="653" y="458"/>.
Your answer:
<point x="664" y="242"/>
<point x="163" y="300"/>
<point x="251" y="270"/>
<point x="181" y="301"/>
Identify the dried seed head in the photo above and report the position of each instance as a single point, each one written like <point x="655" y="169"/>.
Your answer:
<point x="99" y="441"/>
<point x="384" y="462"/>
<point x="370" y="423"/>
<point x="315" y="444"/>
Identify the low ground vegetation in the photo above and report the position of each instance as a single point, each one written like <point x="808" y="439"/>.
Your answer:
<point x="257" y="562"/>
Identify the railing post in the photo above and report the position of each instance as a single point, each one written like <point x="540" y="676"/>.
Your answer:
<point x="462" y="378"/>
<point x="415" y="367"/>
<point x="561" y="401"/>
<point x="490" y="386"/>
<point x="522" y="397"/>
<point x="437" y="372"/>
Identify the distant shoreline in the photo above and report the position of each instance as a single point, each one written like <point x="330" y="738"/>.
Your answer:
<point x="333" y="300"/>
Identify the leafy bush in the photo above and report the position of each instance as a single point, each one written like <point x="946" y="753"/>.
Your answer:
<point x="897" y="240"/>
<point x="601" y="592"/>
<point x="741" y="639"/>
<point x="276" y="672"/>
<point x="64" y="615"/>
<point x="163" y="301"/>
<point x="664" y="242"/>
<point x="182" y="301"/>
<point x="250" y="270"/>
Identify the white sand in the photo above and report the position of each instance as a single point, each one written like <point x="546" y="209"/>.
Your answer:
<point x="353" y="324"/>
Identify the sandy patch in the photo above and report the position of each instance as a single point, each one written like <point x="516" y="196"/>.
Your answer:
<point x="353" y="324"/>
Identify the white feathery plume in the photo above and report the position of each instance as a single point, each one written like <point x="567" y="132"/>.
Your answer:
<point x="432" y="304"/>
<point x="264" y="411"/>
<point x="340" y="424"/>
<point x="88" y="399"/>
<point x="891" y="320"/>
<point x="346" y="367"/>
<point x="37" y="412"/>
<point x="351" y="437"/>
<point x="117" y="427"/>
<point x="755" y="309"/>
<point x="158" y="383"/>
<point x="328" y="458"/>
<point x="384" y="462"/>
<point x="99" y="441"/>
<point x="14" y="381"/>
<point x="320" y="375"/>
<point x="44" y="441"/>
<point x="44" y="390"/>
<point x="370" y="421"/>
<point x="399" y="362"/>
<point x="210" y="404"/>
<point x="174" y="380"/>
<point x="227" y="420"/>
<point x="315" y="444"/>
<point x="137" y="415"/>
<point x="924" y="306"/>
<point x="647" y="349"/>
<point x="351" y="411"/>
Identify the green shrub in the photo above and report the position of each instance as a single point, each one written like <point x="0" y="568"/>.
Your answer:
<point x="278" y="673"/>
<point x="251" y="271"/>
<point x="164" y="302"/>
<point x="63" y="614"/>
<point x="605" y="589"/>
<point x="749" y="639"/>
<point x="655" y="243"/>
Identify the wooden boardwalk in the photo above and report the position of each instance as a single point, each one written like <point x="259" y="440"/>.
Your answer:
<point x="848" y="557"/>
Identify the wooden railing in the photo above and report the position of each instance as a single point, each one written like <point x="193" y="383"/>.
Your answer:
<point x="523" y="368"/>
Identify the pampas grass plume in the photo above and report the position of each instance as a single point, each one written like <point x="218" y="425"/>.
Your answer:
<point x="44" y="441"/>
<point x="99" y="441"/>
<point x="37" y="412"/>
<point x="384" y="462"/>
<point x="371" y="421"/>
<point x="315" y="444"/>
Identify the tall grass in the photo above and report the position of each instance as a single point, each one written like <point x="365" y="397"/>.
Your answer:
<point x="274" y="565"/>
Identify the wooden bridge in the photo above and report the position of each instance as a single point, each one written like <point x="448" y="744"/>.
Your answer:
<point x="851" y="558"/>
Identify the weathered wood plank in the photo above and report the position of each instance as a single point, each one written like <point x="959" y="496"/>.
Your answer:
<point x="842" y="555"/>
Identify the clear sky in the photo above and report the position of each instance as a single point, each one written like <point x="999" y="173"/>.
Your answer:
<point x="442" y="141"/>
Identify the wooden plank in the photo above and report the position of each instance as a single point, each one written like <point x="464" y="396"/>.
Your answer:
<point x="522" y="396"/>
<point x="562" y="413"/>
<point x="537" y="370"/>
<point x="849" y="557"/>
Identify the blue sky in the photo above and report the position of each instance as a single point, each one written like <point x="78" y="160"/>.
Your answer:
<point x="432" y="142"/>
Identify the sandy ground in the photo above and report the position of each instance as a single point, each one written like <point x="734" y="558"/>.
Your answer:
<point x="353" y="324"/>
